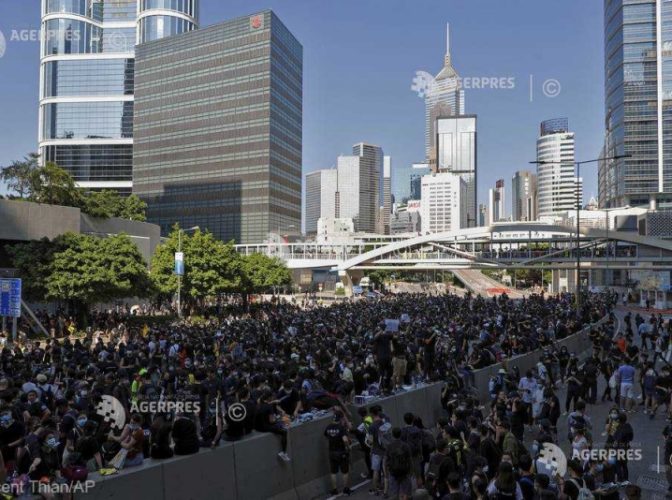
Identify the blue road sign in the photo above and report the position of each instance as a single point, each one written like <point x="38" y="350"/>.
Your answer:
<point x="10" y="297"/>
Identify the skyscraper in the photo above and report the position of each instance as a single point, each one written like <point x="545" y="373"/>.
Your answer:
<point x="321" y="188"/>
<point x="556" y="181"/>
<point x="387" y="196"/>
<point x="496" y="202"/>
<point x="457" y="153"/>
<point x="638" y="103"/>
<point x="218" y="127"/>
<point x="524" y="196"/>
<point x="442" y="196"/>
<point x="443" y="98"/>
<point x="87" y="79"/>
<point x="359" y="186"/>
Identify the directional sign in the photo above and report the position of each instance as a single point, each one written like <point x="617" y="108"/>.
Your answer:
<point x="10" y="297"/>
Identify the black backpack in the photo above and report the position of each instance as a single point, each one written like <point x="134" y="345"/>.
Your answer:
<point x="412" y="436"/>
<point x="398" y="461"/>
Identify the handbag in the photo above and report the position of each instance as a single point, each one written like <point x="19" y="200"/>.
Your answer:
<point x="119" y="459"/>
<point x="75" y="472"/>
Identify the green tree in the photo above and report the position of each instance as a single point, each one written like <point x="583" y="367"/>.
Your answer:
<point x="52" y="185"/>
<point x="106" y="204"/>
<point x="211" y="267"/>
<point x="132" y="208"/>
<point x="34" y="260"/>
<point x="92" y="269"/>
<point x="18" y="175"/>
<point x="260" y="273"/>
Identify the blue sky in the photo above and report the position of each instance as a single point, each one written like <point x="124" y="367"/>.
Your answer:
<point x="360" y="57"/>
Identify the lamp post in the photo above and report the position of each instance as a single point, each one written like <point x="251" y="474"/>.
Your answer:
<point x="578" y="164"/>
<point x="178" y="271"/>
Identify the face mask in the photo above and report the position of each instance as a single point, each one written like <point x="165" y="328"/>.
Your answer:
<point x="614" y="416"/>
<point x="599" y="467"/>
<point x="82" y="421"/>
<point x="83" y="393"/>
<point x="612" y="461"/>
<point x="5" y="421"/>
<point x="52" y="443"/>
<point x="133" y="426"/>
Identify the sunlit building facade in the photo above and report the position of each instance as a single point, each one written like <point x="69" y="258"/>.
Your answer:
<point x="87" y="75"/>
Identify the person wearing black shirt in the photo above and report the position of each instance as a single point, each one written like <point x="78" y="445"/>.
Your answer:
<point x="266" y="421"/>
<point x="339" y="453"/>
<point x="185" y="435"/>
<point x="383" y="349"/>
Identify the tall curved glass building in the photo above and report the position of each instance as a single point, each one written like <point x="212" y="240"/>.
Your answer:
<point x="87" y="66"/>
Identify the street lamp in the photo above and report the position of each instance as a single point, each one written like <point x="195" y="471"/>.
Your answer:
<point x="578" y="164"/>
<point x="179" y="274"/>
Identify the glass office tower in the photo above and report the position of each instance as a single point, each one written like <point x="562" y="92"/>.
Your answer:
<point x="87" y="70"/>
<point x="218" y="129"/>
<point x="638" y="106"/>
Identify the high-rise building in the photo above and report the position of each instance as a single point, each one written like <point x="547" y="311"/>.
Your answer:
<point x="456" y="147"/>
<point x="387" y="196"/>
<point x="496" y="202"/>
<point x="87" y="79"/>
<point x="416" y="186"/>
<point x="359" y="186"/>
<point x="556" y="180"/>
<point x="218" y="129"/>
<point x="638" y="103"/>
<point x="321" y="187"/>
<point x="524" y="196"/>
<point x="442" y="197"/>
<point x="483" y="215"/>
<point x="443" y="98"/>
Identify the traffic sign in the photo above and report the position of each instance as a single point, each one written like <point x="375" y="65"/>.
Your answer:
<point x="10" y="297"/>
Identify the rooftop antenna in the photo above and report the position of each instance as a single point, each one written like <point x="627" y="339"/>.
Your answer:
<point x="447" y="44"/>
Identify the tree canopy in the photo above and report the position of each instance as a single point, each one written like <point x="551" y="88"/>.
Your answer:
<point x="82" y="268"/>
<point x="211" y="266"/>
<point x="52" y="185"/>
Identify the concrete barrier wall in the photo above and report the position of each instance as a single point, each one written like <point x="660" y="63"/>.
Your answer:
<point x="250" y="469"/>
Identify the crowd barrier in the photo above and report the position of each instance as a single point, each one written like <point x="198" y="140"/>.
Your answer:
<point x="250" y="469"/>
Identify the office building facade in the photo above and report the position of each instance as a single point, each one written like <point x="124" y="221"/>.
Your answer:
<point x="386" y="201"/>
<point x="524" y="196"/>
<point x="218" y="129"/>
<point x="442" y="199"/>
<point x="638" y="103"/>
<point x="360" y="186"/>
<point x="556" y="181"/>
<point x="321" y="188"/>
<point x="87" y="66"/>
<point x="444" y="97"/>
<point x="456" y="146"/>
<point x="497" y="202"/>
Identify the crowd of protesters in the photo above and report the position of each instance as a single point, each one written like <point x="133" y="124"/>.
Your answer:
<point x="281" y="362"/>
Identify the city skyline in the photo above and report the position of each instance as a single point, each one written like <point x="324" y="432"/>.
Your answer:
<point x="385" y="85"/>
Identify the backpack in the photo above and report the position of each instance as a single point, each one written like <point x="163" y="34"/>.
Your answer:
<point x="398" y="462"/>
<point x="428" y="442"/>
<point x="47" y="396"/>
<point x="412" y="436"/>
<point x="584" y="492"/>
<point x="385" y="435"/>
<point x="455" y="451"/>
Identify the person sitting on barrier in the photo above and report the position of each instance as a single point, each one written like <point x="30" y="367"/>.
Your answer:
<point x="267" y="421"/>
<point x="185" y="435"/>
